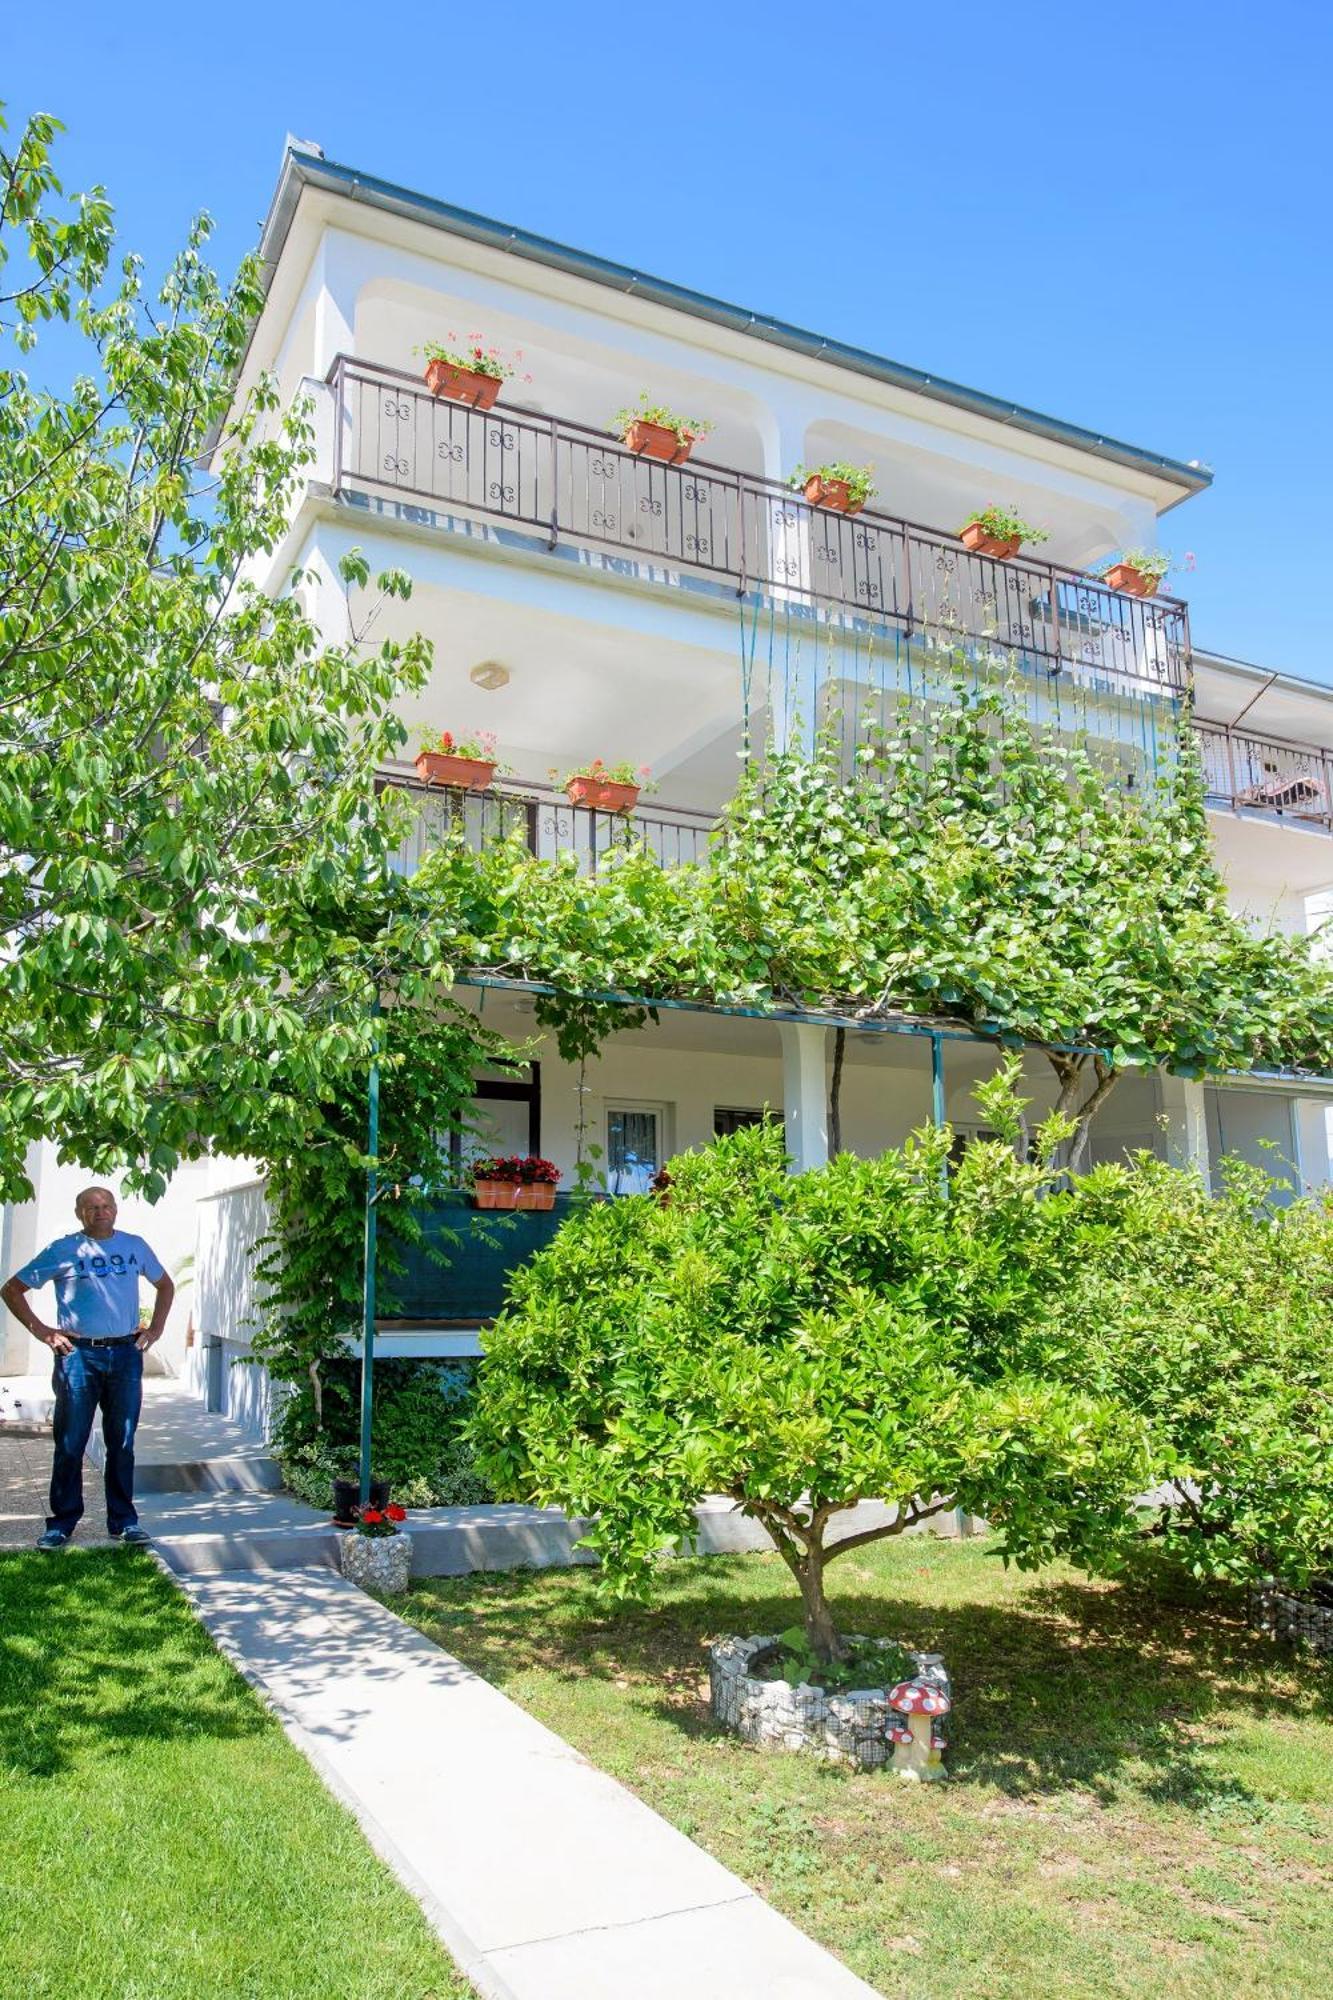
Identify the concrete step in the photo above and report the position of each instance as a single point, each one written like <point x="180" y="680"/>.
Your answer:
<point x="256" y="1474"/>
<point x="214" y="1532"/>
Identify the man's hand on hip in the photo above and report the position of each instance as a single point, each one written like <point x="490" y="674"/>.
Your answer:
<point x="145" y="1338"/>
<point x="52" y="1337"/>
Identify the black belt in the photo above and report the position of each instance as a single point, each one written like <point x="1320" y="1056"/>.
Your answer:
<point x="102" y="1340"/>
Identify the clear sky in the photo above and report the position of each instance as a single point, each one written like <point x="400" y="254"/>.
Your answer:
<point x="1119" y="216"/>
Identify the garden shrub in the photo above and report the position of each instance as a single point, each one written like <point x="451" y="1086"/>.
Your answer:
<point x="421" y="1445"/>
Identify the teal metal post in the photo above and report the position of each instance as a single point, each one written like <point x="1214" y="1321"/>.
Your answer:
<point x="368" y="1282"/>
<point x="937" y="1079"/>
<point x="937" y="1105"/>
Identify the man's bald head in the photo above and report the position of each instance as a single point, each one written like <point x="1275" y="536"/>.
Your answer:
<point x="96" y="1210"/>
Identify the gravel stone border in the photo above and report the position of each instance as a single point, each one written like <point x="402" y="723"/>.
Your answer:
<point x="851" y="1728"/>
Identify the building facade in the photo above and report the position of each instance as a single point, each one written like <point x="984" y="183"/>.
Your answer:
<point x="585" y="600"/>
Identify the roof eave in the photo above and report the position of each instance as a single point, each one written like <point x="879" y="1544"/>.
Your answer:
<point x="303" y="169"/>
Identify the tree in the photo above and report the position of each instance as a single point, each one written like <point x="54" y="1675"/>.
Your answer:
<point x="803" y="1343"/>
<point x="195" y="908"/>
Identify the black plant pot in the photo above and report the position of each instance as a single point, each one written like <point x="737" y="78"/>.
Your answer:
<point x="347" y="1498"/>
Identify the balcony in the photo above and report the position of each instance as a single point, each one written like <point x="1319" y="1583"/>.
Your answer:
<point x="1246" y="774"/>
<point x="568" y="483"/>
<point x="1260" y="774"/>
<point x="544" y="821"/>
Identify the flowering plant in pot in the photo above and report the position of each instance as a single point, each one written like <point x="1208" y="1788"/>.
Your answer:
<point x="654" y="431"/>
<point x="537" y="1182"/>
<point x="1138" y="572"/>
<point x="606" y="787"/>
<point x="999" y="532"/>
<point x="465" y="761"/>
<point x="842" y="488"/>
<point x="494" y="1181"/>
<point x="375" y="1553"/>
<point x="471" y="374"/>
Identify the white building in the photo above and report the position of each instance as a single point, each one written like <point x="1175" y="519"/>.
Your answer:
<point x="584" y="601"/>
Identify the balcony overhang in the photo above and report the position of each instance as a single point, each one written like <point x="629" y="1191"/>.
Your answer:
<point x="302" y="168"/>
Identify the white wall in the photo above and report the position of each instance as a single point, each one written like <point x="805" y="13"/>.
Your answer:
<point x="232" y="1221"/>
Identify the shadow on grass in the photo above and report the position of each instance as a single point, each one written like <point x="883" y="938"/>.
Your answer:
<point x="1064" y="1685"/>
<point x="98" y="1653"/>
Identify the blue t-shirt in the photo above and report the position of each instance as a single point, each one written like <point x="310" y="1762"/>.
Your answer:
<point x="96" y="1281"/>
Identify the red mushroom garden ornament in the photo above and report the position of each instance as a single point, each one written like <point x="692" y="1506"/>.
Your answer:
<point x="918" y="1744"/>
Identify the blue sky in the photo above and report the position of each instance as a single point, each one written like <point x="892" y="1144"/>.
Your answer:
<point x="1118" y="216"/>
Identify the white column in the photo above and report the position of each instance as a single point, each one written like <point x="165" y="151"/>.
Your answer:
<point x="794" y="698"/>
<point x="1186" y="1121"/>
<point x="805" y="1093"/>
<point x="1310" y="1119"/>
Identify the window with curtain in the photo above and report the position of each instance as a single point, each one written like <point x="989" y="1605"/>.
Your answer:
<point x="633" y="1148"/>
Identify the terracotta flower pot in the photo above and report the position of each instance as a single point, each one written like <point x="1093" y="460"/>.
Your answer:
<point x="496" y="1194"/>
<point x="536" y="1194"/>
<point x="835" y="494"/>
<point x="982" y="543"/>
<point x="462" y="385"/>
<point x="603" y="794"/>
<point x="468" y="774"/>
<point x="658" y="441"/>
<point x="1124" y="576"/>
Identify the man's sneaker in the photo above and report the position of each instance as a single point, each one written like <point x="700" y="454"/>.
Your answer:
<point x="134" y="1537"/>
<point x="54" y="1538"/>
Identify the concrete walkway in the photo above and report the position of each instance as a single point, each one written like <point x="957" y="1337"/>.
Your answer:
<point x="545" y="1878"/>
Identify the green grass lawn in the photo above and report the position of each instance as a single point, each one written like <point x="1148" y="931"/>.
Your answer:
<point x="162" y="1840"/>
<point x="1142" y="1790"/>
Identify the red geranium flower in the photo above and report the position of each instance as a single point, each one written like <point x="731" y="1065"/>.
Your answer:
<point x="395" y="1513"/>
<point x="371" y="1515"/>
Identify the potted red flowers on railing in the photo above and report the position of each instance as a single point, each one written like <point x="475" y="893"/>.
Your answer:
<point x="465" y="761"/>
<point x="654" y="431"/>
<point x="606" y="787"/>
<point x="375" y="1553"/>
<point x="514" y="1180"/>
<point x="999" y="532"/>
<point x="537" y="1182"/>
<point x="837" y="486"/>
<point x="471" y="374"/>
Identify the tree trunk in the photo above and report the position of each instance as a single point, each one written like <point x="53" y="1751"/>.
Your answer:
<point x="835" y="1094"/>
<point x="826" y="1642"/>
<point x="801" y="1546"/>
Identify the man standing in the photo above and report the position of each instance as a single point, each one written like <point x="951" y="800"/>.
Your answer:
<point x="99" y="1352"/>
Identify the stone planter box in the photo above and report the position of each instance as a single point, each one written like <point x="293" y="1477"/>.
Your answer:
<point x="1302" y="1620"/>
<point x="377" y="1562"/>
<point x="848" y="1728"/>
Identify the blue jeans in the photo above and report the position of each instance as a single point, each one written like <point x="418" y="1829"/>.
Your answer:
<point x="91" y="1377"/>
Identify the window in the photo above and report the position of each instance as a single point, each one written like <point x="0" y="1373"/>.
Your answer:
<point x="635" y="1146"/>
<point x="736" y="1117"/>
<point x="507" y="1115"/>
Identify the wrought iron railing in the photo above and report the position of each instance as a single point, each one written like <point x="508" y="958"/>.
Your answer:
<point x="544" y="822"/>
<point x="1291" y="781"/>
<point x="568" y="481"/>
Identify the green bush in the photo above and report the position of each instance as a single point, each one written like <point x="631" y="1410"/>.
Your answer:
<point x="1210" y="1315"/>
<point x="420" y="1444"/>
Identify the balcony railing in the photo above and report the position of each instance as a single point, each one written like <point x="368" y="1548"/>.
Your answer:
<point x="567" y="481"/>
<point x="1250" y="774"/>
<point x="546" y="823"/>
<point x="1260" y="774"/>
